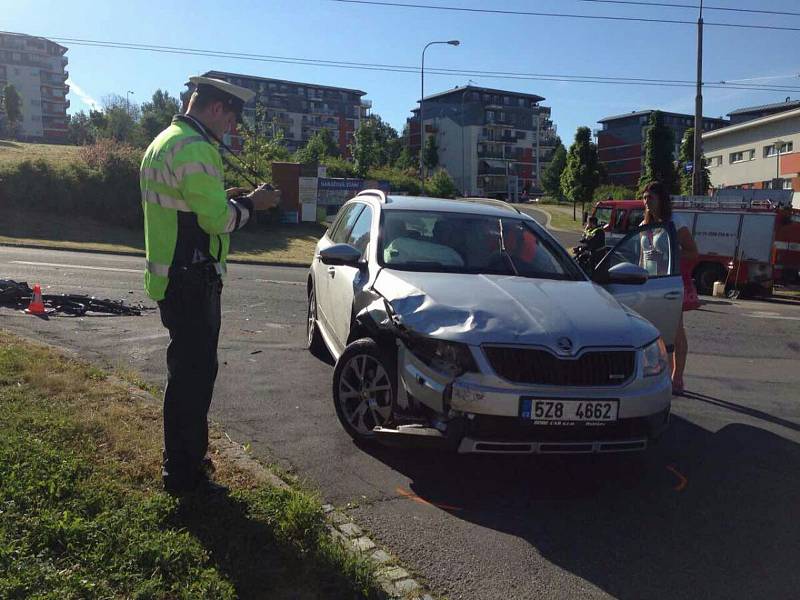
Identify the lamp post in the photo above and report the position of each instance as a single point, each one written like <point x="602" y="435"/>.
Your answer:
<point x="778" y="144"/>
<point x="422" y="110"/>
<point x="128" y="102"/>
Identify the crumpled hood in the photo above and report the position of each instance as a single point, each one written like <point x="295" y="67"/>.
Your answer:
<point x="479" y="309"/>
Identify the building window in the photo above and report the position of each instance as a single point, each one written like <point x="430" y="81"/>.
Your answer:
<point x="785" y="148"/>
<point x="736" y="157"/>
<point x="787" y="184"/>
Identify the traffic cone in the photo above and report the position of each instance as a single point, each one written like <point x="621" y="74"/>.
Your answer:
<point x="36" y="307"/>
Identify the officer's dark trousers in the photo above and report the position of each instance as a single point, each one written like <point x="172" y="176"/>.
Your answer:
<point x="191" y="312"/>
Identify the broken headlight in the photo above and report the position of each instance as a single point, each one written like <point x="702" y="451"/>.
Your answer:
<point x="452" y="358"/>
<point x="654" y="358"/>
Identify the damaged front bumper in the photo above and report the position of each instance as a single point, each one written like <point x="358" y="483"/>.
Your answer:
<point x="482" y="413"/>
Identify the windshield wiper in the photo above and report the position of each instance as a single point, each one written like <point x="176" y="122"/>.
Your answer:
<point x="504" y="252"/>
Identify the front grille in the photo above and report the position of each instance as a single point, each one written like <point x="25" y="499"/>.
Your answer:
<point x="540" y="367"/>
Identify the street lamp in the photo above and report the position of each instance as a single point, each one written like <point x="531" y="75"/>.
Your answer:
<point x="128" y="102"/>
<point x="421" y="108"/>
<point x="778" y="144"/>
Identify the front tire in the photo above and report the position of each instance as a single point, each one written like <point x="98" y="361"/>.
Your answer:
<point x="364" y="388"/>
<point x="314" y="342"/>
<point x="705" y="276"/>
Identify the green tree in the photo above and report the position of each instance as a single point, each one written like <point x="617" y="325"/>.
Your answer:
<point x="551" y="177"/>
<point x="405" y="160"/>
<point x="320" y="146"/>
<point x="659" y="147"/>
<point x="581" y="174"/>
<point x="12" y="102"/>
<point x="157" y="114"/>
<point x="120" y="121"/>
<point x="686" y="156"/>
<point x="430" y="153"/>
<point x="375" y="144"/>
<point x="81" y="131"/>
<point x="440" y="185"/>
<point x="258" y="152"/>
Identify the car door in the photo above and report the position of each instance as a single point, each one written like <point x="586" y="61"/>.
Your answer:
<point x="660" y="299"/>
<point x="346" y="281"/>
<point x="322" y="273"/>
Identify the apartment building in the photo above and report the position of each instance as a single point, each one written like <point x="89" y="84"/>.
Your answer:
<point x="762" y="153"/>
<point x="492" y="142"/>
<point x="620" y="142"/>
<point x="741" y="115"/>
<point x="300" y="110"/>
<point x="36" y="67"/>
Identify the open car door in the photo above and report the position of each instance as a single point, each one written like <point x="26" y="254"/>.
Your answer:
<point x="642" y="272"/>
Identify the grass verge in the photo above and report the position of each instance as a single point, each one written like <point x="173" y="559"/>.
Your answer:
<point x="560" y="216"/>
<point x="82" y="514"/>
<point x="13" y="153"/>
<point x="287" y="244"/>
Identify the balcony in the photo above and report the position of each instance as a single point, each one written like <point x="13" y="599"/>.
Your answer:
<point x="366" y="103"/>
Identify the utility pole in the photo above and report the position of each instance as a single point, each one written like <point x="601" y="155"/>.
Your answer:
<point x="538" y="133"/>
<point x="422" y="109"/>
<point x="697" y="170"/>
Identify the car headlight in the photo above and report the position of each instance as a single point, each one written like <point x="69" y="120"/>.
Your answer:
<point x="452" y="358"/>
<point x="654" y="358"/>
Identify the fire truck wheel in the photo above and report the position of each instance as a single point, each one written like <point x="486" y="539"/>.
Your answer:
<point x="705" y="275"/>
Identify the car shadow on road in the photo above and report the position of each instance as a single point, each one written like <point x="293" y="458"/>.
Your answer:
<point x="701" y="515"/>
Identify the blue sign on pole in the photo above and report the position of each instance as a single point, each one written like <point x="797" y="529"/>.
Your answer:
<point x="688" y="167"/>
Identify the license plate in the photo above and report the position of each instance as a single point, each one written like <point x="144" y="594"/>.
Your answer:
<point x="540" y="409"/>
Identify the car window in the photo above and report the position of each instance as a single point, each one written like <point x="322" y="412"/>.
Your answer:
<point x="603" y="215"/>
<point x="359" y="234"/>
<point x="635" y="217"/>
<point x="346" y="222"/>
<point x="650" y="249"/>
<point x="468" y="243"/>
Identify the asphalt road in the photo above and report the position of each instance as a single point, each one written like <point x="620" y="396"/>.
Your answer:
<point x="712" y="512"/>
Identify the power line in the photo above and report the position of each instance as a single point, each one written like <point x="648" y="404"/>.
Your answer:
<point x="606" y="80"/>
<point x="696" y="7"/>
<point x="561" y="15"/>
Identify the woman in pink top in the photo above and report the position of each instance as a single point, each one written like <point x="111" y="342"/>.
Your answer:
<point x="658" y="209"/>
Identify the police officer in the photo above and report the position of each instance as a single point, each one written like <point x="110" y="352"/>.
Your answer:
<point x="188" y="216"/>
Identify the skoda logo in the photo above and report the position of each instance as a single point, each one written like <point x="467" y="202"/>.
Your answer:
<point x="564" y="344"/>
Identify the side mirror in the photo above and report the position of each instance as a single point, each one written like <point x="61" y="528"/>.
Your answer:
<point x="341" y="254"/>
<point x="626" y="273"/>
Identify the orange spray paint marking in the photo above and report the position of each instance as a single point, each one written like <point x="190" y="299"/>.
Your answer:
<point x="682" y="481"/>
<point x="413" y="497"/>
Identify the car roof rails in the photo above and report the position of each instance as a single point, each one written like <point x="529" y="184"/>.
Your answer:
<point x="492" y="202"/>
<point x="373" y="192"/>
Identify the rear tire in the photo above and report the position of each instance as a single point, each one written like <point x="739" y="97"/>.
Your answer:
<point x="705" y="275"/>
<point x="364" y="388"/>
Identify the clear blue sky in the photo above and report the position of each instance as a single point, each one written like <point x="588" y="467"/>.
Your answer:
<point x="323" y="29"/>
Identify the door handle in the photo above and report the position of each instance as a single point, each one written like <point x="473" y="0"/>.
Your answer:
<point x="332" y="271"/>
<point x="673" y="295"/>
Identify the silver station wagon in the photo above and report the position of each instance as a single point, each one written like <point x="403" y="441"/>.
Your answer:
<point x="464" y="324"/>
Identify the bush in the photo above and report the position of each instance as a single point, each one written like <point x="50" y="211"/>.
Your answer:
<point x="440" y="185"/>
<point x="103" y="186"/>
<point x="339" y="167"/>
<point x="616" y="192"/>
<point x="400" y="180"/>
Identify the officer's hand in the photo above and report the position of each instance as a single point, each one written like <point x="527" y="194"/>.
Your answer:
<point x="235" y="192"/>
<point x="263" y="198"/>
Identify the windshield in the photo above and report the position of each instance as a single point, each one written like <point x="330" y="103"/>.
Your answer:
<point x="465" y="243"/>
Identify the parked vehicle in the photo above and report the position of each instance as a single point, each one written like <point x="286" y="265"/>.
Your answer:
<point x="744" y="242"/>
<point x="465" y="324"/>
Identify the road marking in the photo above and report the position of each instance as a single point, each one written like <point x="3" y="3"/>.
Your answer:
<point x="770" y="315"/>
<point x="278" y="282"/>
<point x="46" y="264"/>
<point x="682" y="481"/>
<point x="414" y="498"/>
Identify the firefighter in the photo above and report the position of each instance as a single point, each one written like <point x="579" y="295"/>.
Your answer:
<point x="188" y="216"/>
<point x="594" y="238"/>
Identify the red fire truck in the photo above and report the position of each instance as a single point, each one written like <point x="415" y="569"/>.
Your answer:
<point x="748" y="243"/>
